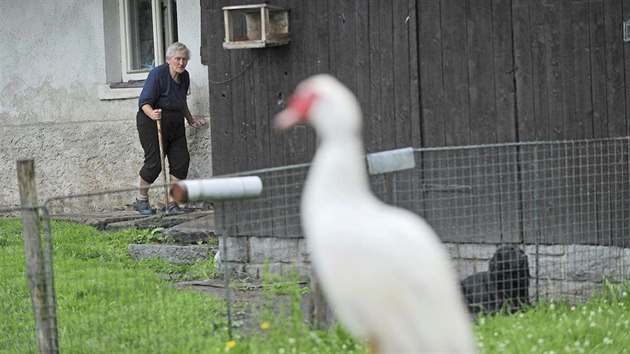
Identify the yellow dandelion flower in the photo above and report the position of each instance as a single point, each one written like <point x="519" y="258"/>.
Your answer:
<point x="265" y="325"/>
<point x="230" y="344"/>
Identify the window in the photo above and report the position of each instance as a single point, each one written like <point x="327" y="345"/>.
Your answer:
<point x="147" y="28"/>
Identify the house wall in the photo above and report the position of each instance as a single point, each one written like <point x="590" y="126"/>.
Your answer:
<point x="56" y="107"/>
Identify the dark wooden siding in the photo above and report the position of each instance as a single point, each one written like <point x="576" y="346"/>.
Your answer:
<point x="431" y="73"/>
<point x="428" y="73"/>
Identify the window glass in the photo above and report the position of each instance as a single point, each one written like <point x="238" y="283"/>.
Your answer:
<point x="140" y="36"/>
<point x="148" y="27"/>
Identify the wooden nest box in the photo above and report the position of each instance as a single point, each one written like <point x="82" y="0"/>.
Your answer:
<point x="255" y="26"/>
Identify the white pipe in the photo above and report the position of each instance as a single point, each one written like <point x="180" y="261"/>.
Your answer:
<point x="216" y="189"/>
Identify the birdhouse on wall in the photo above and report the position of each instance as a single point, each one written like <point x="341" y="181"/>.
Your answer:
<point x="255" y="26"/>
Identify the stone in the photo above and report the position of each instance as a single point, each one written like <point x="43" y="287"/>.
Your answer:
<point x="175" y="254"/>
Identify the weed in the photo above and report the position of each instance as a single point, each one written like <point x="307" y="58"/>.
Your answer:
<point x="150" y="236"/>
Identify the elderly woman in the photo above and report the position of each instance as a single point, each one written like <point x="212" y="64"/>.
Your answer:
<point x="163" y="98"/>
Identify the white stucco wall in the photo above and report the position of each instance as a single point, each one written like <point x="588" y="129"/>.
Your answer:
<point x="55" y="58"/>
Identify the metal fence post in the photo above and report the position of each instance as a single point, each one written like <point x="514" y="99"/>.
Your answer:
<point x="35" y="268"/>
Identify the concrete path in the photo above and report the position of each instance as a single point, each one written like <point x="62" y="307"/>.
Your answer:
<point x="186" y="236"/>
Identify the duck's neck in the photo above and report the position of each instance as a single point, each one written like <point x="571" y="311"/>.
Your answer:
<point x="338" y="171"/>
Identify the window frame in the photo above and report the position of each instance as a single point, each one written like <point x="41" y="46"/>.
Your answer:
<point x="158" y="24"/>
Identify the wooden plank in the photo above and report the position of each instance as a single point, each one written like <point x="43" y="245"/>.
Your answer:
<point x="431" y="87"/>
<point x="239" y="148"/>
<point x="540" y="54"/>
<point x="609" y="203"/>
<point x="455" y="73"/>
<point x="263" y="132"/>
<point x="343" y="41"/>
<point x="319" y="60"/>
<point x="388" y="126"/>
<point x="483" y="121"/>
<point x="598" y="68"/>
<point x="374" y="111"/>
<point x="507" y="159"/>
<point x="456" y="112"/>
<point x="205" y="8"/>
<point x="480" y="74"/>
<point x="504" y="71"/>
<point x="414" y="72"/>
<point x="220" y="93"/>
<point x="523" y="70"/>
<point x="566" y="69"/>
<point x="626" y="52"/>
<point x="582" y="121"/>
<point x="554" y="70"/>
<point x="432" y="114"/>
<point x="292" y="73"/>
<point x="401" y="72"/>
<point x="615" y="91"/>
<point x="296" y="138"/>
<point x="415" y="115"/>
<point x="552" y="128"/>
<point x="362" y="63"/>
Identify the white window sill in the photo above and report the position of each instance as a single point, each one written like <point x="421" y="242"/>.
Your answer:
<point x="107" y="93"/>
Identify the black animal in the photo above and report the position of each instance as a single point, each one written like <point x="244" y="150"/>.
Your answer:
<point x="505" y="286"/>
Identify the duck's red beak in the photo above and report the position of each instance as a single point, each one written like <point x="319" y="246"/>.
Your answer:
<point x="286" y="119"/>
<point x="297" y="111"/>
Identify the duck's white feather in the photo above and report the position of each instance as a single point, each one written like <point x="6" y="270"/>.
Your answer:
<point x="383" y="269"/>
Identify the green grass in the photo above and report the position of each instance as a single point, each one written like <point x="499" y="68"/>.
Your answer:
<point x="602" y="325"/>
<point x="110" y="303"/>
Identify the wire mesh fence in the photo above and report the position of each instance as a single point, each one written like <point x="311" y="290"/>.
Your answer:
<point x="562" y="206"/>
<point x="522" y="222"/>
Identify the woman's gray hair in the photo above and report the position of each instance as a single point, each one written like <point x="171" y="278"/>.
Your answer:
<point x="177" y="47"/>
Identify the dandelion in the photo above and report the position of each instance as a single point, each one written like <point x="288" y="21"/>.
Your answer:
<point x="572" y="308"/>
<point x="230" y="344"/>
<point x="291" y="341"/>
<point x="607" y="341"/>
<point x="281" y="351"/>
<point x="624" y="294"/>
<point x="265" y="325"/>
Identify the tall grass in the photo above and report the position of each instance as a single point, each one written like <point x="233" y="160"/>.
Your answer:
<point x="110" y="303"/>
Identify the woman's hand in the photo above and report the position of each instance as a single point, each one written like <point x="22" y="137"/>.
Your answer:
<point x="197" y="121"/>
<point x="156" y="114"/>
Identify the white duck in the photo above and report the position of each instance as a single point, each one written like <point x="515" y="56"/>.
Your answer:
<point x="382" y="269"/>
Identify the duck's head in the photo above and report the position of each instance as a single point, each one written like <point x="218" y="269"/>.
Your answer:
<point x="326" y="104"/>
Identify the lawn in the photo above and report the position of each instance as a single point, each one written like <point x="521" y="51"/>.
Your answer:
<point x="110" y="303"/>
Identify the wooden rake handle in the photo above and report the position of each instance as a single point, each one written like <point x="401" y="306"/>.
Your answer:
<point x="161" y="142"/>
